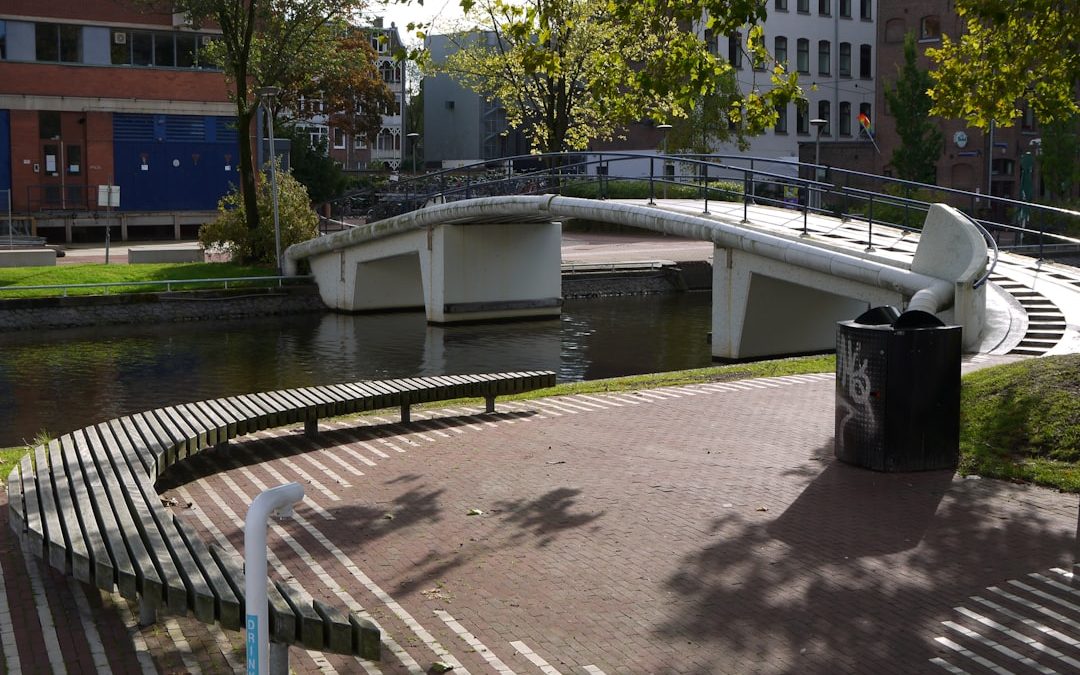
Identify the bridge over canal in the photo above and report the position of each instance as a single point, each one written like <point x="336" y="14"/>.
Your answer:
<point x="776" y="289"/>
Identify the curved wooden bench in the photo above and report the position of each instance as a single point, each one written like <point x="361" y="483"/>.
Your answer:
<point x="86" y="502"/>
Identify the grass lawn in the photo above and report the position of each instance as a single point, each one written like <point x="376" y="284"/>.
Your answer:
<point x="1019" y="421"/>
<point x="93" y="273"/>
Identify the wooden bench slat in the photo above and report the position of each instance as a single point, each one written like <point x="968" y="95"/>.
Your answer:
<point x="225" y="415"/>
<point x="183" y="436"/>
<point x="185" y="586"/>
<point x="259" y="417"/>
<point x="56" y="543"/>
<point x="228" y="609"/>
<point x="192" y="425"/>
<point x="367" y="639"/>
<point x="125" y="576"/>
<point x="219" y="427"/>
<point x="291" y="409"/>
<point x="312" y="629"/>
<point x="325" y="405"/>
<point x="35" y="530"/>
<point x="283" y="623"/>
<point x="370" y="398"/>
<point x="244" y="416"/>
<point x="151" y="586"/>
<point x="337" y="626"/>
<point x="201" y="422"/>
<point x="102" y="572"/>
<point x="165" y="445"/>
<point x="77" y="555"/>
<point x="146" y="448"/>
<point x="16" y="506"/>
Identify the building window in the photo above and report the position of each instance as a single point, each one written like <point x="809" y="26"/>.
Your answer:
<point x="824" y="7"/>
<point x="930" y="28"/>
<point x="339" y="139"/>
<point x="734" y="50"/>
<point x="780" y="5"/>
<point x="3" y="39"/>
<point x="824" y="57"/>
<point x="803" y="6"/>
<point x="48" y="124"/>
<point x="58" y="42"/>
<point x="823" y="113"/>
<point x="359" y="143"/>
<point x="803" y="55"/>
<point x="389" y="72"/>
<point x="781" y="119"/>
<point x="845" y="118"/>
<point x="780" y="51"/>
<point x="1027" y="120"/>
<point x="163" y="50"/>
<point x="802" y="117"/>
<point x="379" y="43"/>
<point x="845" y="59"/>
<point x="845" y="9"/>
<point x="894" y="31"/>
<point x="865" y="11"/>
<point x="866" y="68"/>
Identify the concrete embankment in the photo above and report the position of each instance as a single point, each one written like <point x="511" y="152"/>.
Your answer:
<point x="142" y="308"/>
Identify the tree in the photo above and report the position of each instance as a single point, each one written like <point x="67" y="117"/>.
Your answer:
<point x="572" y="71"/>
<point x="313" y="167"/>
<point x="707" y="122"/>
<point x="921" y="141"/>
<point x="1059" y="156"/>
<point x="1012" y="51"/>
<point x="283" y="43"/>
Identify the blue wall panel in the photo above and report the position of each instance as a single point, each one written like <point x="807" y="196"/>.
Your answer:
<point x="5" y="152"/>
<point x="173" y="162"/>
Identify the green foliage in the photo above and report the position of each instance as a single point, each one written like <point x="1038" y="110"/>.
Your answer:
<point x="637" y="188"/>
<point x="1059" y="157"/>
<point x="231" y="234"/>
<point x="1021" y="421"/>
<point x="313" y="167"/>
<point x="921" y="142"/>
<point x="1011" y="52"/>
<point x="569" y="72"/>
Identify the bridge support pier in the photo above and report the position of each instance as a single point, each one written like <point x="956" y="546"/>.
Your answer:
<point x="764" y="307"/>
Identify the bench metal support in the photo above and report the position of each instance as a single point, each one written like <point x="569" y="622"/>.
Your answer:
<point x="279" y="658"/>
<point x="311" y="427"/>
<point x="489" y="403"/>
<point x="406" y="417"/>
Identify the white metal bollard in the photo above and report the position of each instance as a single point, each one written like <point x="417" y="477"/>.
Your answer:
<point x="279" y="499"/>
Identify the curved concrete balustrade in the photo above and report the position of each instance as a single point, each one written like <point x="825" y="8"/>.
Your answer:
<point x="498" y="258"/>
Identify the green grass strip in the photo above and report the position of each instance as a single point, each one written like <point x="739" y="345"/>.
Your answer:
<point x="96" y="273"/>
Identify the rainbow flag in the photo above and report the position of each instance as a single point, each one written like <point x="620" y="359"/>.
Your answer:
<point x="864" y="121"/>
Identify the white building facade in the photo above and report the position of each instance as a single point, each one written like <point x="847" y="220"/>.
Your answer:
<point x="832" y="45"/>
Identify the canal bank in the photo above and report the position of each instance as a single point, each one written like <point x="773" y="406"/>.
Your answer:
<point x="585" y="280"/>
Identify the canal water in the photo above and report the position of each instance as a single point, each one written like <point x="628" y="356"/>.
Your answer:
<point x="61" y="380"/>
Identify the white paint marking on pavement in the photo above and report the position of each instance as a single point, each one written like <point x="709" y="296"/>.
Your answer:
<point x="998" y="647"/>
<point x="93" y="637"/>
<point x="227" y="649"/>
<point x="942" y="663"/>
<point x="1020" y="637"/>
<point x="44" y="612"/>
<point x="586" y="403"/>
<point x="182" y="646"/>
<point x="382" y="595"/>
<point x="7" y="631"/>
<point x="603" y="400"/>
<point x="281" y="457"/>
<point x="967" y="653"/>
<point x="471" y="640"/>
<point x="268" y="468"/>
<point x="592" y="670"/>
<point x="1030" y="623"/>
<point x="434" y="426"/>
<point x="1036" y="607"/>
<point x="534" y="658"/>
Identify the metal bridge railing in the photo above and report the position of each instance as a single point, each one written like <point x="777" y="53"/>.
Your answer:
<point x="168" y="284"/>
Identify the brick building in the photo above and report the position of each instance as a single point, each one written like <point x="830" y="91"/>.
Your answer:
<point x="96" y="93"/>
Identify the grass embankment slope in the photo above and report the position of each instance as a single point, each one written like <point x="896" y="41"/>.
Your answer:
<point x="1019" y="421"/>
<point x="98" y="273"/>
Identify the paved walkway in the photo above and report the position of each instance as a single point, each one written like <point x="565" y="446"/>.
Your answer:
<point x="702" y="529"/>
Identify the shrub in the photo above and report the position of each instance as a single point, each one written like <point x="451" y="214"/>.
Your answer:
<point x="231" y="234"/>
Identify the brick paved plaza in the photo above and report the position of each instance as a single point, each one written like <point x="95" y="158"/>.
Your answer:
<point x="679" y="530"/>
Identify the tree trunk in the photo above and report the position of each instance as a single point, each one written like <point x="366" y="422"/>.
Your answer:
<point x="246" y="166"/>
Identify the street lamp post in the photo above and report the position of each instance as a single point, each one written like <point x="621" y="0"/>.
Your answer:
<point x="413" y="137"/>
<point x="818" y="124"/>
<point x="664" y="128"/>
<point x="267" y="95"/>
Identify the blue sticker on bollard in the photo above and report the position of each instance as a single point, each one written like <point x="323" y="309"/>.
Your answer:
<point x="252" y="644"/>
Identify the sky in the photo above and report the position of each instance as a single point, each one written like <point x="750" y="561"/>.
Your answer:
<point x="442" y="13"/>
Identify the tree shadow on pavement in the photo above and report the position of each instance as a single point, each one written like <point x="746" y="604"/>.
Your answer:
<point x="857" y="573"/>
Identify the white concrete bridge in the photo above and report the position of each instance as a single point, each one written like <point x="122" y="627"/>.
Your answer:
<point x="774" y="291"/>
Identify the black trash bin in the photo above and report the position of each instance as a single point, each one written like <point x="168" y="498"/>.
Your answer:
<point x="898" y="391"/>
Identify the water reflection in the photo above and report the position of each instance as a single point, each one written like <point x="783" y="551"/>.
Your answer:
<point x="62" y="380"/>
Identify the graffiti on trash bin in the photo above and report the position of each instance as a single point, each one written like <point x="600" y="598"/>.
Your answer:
<point x="854" y="385"/>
